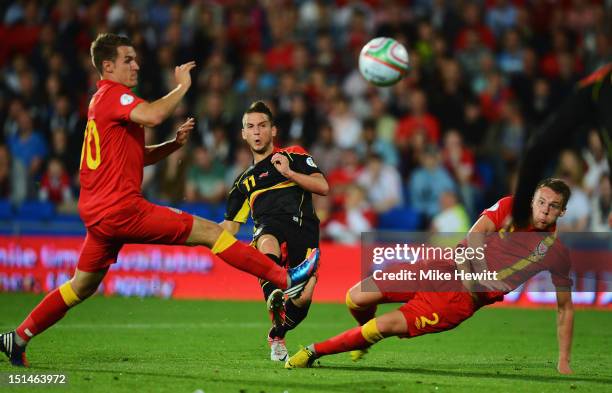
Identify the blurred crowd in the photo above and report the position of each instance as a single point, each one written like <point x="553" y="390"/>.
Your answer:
<point x="428" y="153"/>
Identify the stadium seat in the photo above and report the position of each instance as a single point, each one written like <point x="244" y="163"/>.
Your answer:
<point x="6" y="209"/>
<point x="402" y="218"/>
<point x="36" y="210"/>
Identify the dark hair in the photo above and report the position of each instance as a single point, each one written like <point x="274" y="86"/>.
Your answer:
<point x="260" y="107"/>
<point x="104" y="47"/>
<point x="558" y="186"/>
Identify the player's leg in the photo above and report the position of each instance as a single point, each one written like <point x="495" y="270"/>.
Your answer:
<point x="362" y="300"/>
<point x="426" y="312"/>
<point x="357" y="338"/>
<point x="274" y="297"/>
<point x="300" y="241"/>
<point x="96" y="255"/>
<point x="162" y="225"/>
<point x="235" y="253"/>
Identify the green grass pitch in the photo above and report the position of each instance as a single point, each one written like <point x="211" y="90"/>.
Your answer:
<point x="151" y="345"/>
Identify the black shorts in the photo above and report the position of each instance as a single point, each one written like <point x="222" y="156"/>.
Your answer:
<point x="295" y="240"/>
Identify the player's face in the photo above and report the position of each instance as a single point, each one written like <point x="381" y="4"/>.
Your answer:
<point x="125" y="68"/>
<point x="546" y="208"/>
<point x="258" y="132"/>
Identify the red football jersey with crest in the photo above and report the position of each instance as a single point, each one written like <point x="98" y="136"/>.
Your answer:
<point x="520" y="255"/>
<point x="112" y="157"/>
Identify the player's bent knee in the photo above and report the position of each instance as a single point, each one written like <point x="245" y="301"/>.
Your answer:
<point x="84" y="284"/>
<point x="392" y="324"/>
<point x="357" y="300"/>
<point x="82" y="289"/>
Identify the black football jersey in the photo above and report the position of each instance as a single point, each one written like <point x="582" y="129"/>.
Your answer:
<point x="267" y="194"/>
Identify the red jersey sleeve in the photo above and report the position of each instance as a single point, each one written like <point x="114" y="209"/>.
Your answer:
<point x="119" y="101"/>
<point x="560" y="269"/>
<point x="499" y="212"/>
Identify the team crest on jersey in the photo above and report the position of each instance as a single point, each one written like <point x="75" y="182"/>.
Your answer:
<point x="126" y="99"/>
<point x="311" y="162"/>
<point x="542" y="249"/>
<point x="262" y="175"/>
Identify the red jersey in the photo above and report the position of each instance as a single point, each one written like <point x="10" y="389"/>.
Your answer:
<point x="112" y="157"/>
<point x="520" y="256"/>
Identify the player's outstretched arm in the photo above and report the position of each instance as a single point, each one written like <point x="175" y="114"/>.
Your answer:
<point x="565" y="329"/>
<point x="155" y="153"/>
<point x="151" y="114"/>
<point x="231" y="226"/>
<point x="314" y="182"/>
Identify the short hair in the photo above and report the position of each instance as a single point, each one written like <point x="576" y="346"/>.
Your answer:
<point x="558" y="186"/>
<point x="259" y="107"/>
<point x="104" y="47"/>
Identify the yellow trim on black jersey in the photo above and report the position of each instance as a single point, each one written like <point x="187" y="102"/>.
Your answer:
<point x="243" y="213"/>
<point x="255" y="194"/>
<point x="534" y="257"/>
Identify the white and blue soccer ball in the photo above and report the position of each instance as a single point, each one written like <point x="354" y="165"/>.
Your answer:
<point x="383" y="61"/>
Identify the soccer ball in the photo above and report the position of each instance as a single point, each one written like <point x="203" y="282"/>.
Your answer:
<point x="383" y="61"/>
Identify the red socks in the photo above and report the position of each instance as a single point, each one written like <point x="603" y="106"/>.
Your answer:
<point x="348" y="341"/>
<point x="248" y="259"/>
<point x="50" y="310"/>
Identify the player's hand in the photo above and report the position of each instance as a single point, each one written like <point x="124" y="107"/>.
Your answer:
<point x="564" y="368"/>
<point x="182" y="133"/>
<point x="281" y="163"/>
<point x="182" y="73"/>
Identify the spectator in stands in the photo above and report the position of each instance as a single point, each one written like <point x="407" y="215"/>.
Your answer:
<point x="386" y="124"/>
<point x="324" y="151"/>
<point x="571" y="170"/>
<point x="346" y="127"/>
<point x="382" y="182"/>
<point x="474" y="127"/>
<point x="501" y="16"/>
<point x="298" y="126"/>
<point x="343" y="176"/>
<point x="64" y="116"/>
<point x="205" y="178"/>
<point x="510" y="58"/>
<point x="355" y="217"/>
<point x="601" y="206"/>
<point x="11" y="122"/>
<point x="28" y="149"/>
<point x="460" y="163"/>
<point x="417" y="119"/>
<point x="448" y="100"/>
<point x="452" y="216"/>
<point x="472" y="21"/>
<point x="597" y="163"/>
<point x="371" y="144"/>
<point x="471" y="56"/>
<point x="427" y="183"/>
<point x="55" y="185"/>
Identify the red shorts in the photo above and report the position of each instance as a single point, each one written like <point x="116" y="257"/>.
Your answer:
<point x="432" y="312"/>
<point x="136" y="222"/>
